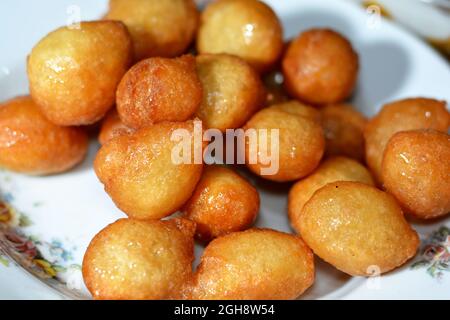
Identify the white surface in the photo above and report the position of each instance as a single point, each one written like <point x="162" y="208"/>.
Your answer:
<point x="394" y="64"/>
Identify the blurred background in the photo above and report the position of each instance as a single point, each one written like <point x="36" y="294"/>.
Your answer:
<point x="430" y="19"/>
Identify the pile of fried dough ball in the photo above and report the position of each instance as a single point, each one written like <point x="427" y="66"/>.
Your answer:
<point x="137" y="74"/>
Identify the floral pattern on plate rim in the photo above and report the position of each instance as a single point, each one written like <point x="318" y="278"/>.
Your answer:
<point x="435" y="253"/>
<point x="26" y="251"/>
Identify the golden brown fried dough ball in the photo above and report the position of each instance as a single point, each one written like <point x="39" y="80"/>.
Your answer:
<point x="401" y="115"/>
<point x="73" y="73"/>
<point x="357" y="228"/>
<point x="320" y="67"/>
<point x="159" y="89"/>
<point x="232" y="91"/>
<point x="158" y="27"/>
<point x="331" y="170"/>
<point x="416" y="170"/>
<point x="31" y="144"/>
<point x="246" y="28"/>
<point x="141" y="175"/>
<point x="254" y="264"/>
<point x="300" y="146"/>
<point x="223" y="202"/>
<point x="112" y="127"/>
<point x="133" y="259"/>
<point x="344" y="131"/>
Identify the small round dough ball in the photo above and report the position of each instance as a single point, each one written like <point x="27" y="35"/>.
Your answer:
<point x="357" y="228"/>
<point x="137" y="260"/>
<point x="162" y="28"/>
<point x="223" y="202"/>
<point x="401" y="115"/>
<point x="344" y="131"/>
<point x="246" y="28"/>
<point x="331" y="170"/>
<point x="140" y="174"/>
<point x="74" y="72"/>
<point x="112" y="127"/>
<point x="31" y="144"/>
<point x="232" y="91"/>
<point x="416" y="170"/>
<point x="159" y="89"/>
<point x="257" y="264"/>
<point x="300" y="146"/>
<point x="320" y="67"/>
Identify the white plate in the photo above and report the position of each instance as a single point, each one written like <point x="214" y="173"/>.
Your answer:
<point x="60" y="214"/>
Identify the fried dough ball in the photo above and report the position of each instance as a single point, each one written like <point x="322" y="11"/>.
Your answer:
<point x="141" y="175"/>
<point x="331" y="170"/>
<point x="401" y="115"/>
<point x="320" y="67"/>
<point x="416" y="170"/>
<point x="112" y="127"/>
<point x="223" y="202"/>
<point x="232" y="91"/>
<point x="73" y="73"/>
<point x="159" y="89"/>
<point x="344" y="131"/>
<point x="158" y="27"/>
<point x="31" y="144"/>
<point x="253" y="265"/>
<point x="357" y="228"/>
<point x="246" y="28"/>
<point x="133" y="259"/>
<point x="301" y="141"/>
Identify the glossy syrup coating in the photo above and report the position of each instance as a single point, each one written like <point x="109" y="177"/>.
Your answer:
<point x="273" y="82"/>
<point x="401" y="115"/>
<point x="137" y="260"/>
<point x="301" y="140"/>
<point x="73" y="72"/>
<point x="162" y="28"/>
<point x="254" y="264"/>
<point x="416" y="170"/>
<point x="246" y="28"/>
<point x="159" y="89"/>
<point x="331" y="170"/>
<point x="31" y="144"/>
<point x="112" y="127"/>
<point x="344" y="131"/>
<point x="357" y="228"/>
<point x="222" y="202"/>
<point x="140" y="174"/>
<point x="320" y="67"/>
<point x="232" y="91"/>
